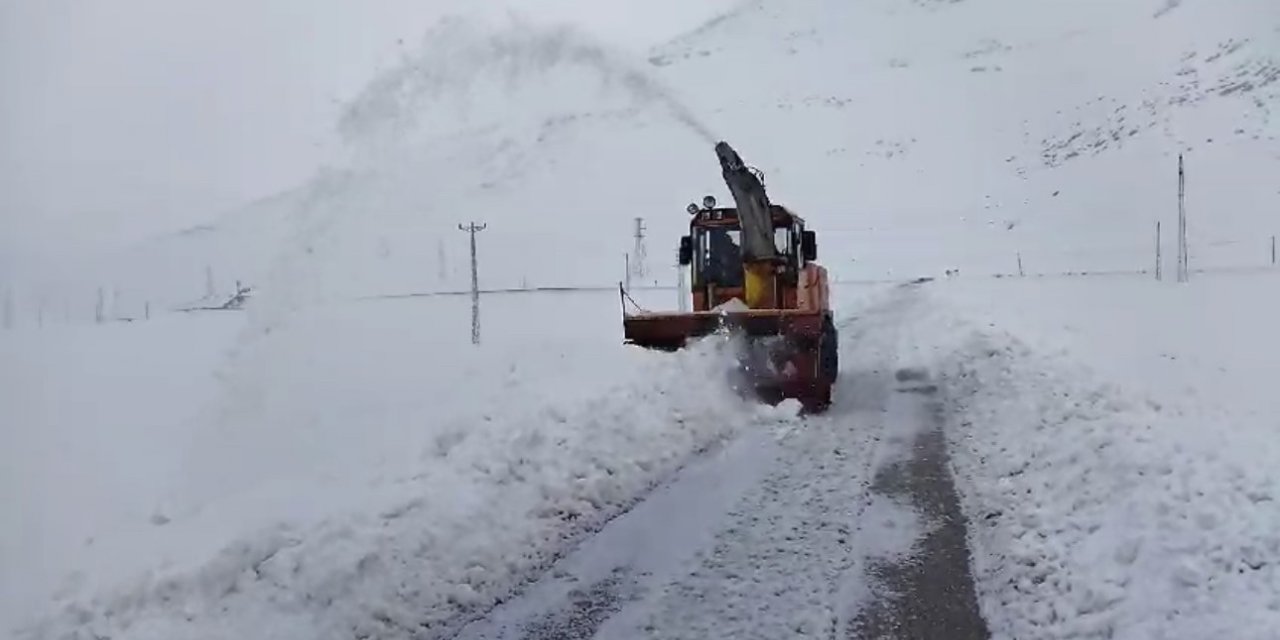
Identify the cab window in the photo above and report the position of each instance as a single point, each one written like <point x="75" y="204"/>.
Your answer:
<point x="782" y="240"/>
<point x="720" y="256"/>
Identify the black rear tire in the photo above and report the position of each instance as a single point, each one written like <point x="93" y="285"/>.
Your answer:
<point x="829" y="354"/>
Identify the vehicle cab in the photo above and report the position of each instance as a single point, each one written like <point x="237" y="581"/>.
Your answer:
<point x="712" y="251"/>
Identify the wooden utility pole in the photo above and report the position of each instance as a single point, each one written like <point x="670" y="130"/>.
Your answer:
<point x="1184" y="273"/>
<point x="443" y="268"/>
<point x="473" y="229"/>
<point x="682" y="296"/>
<point x="1159" y="265"/>
<point x="210" y="291"/>
<point x="639" y="253"/>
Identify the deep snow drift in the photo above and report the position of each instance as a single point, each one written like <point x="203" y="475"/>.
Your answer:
<point x="1117" y="459"/>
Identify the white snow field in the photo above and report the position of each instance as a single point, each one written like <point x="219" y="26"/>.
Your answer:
<point x="330" y="463"/>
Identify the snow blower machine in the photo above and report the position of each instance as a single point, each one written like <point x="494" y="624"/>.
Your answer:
<point x="754" y="279"/>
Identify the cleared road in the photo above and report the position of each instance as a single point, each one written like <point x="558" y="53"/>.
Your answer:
<point x="839" y="526"/>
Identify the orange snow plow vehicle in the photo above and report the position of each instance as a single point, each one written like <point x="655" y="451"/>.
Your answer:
<point x="753" y="276"/>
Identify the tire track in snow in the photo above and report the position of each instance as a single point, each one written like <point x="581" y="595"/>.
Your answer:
<point x="931" y="595"/>
<point x="790" y="560"/>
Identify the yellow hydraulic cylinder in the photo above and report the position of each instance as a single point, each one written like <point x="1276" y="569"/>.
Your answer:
<point x="758" y="281"/>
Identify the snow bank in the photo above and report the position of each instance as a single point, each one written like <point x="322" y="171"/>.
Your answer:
<point x="1097" y="511"/>
<point x="362" y="477"/>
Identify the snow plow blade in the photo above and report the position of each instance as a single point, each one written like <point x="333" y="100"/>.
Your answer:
<point x="672" y="331"/>
<point x="785" y="353"/>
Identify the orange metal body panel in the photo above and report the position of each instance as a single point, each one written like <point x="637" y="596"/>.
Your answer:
<point x="813" y="293"/>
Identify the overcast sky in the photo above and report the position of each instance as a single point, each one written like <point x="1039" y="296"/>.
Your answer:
<point x="126" y="118"/>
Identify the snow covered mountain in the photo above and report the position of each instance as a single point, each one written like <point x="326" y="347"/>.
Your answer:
<point x="918" y="136"/>
<point x="326" y="467"/>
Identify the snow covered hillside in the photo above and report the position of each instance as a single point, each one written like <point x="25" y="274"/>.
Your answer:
<point x="331" y="463"/>
<point x="919" y="136"/>
<point x="934" y="135"/>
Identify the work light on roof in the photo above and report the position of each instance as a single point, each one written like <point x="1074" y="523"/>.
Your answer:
<point x="709" y="202"/>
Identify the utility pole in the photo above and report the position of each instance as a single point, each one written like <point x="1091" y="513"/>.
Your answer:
<point x="473" y="229"/>
<point x="639" y="252"/>
<point x="443" y="264"/>
<point x="1183" y="272"/>
<point x="681" y="297"/>
<point x="1021" y="273"/>
<point x="1159" y="264"/>
<point x="210" y="291"/>
<point x="627" y="274"/>
<point x="1273" y="251"/>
